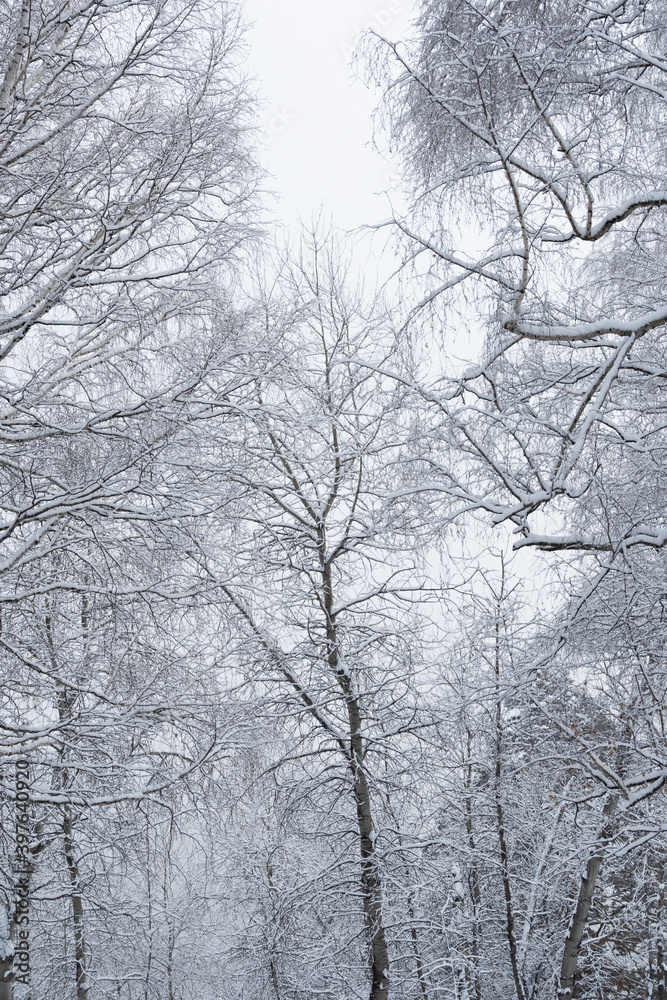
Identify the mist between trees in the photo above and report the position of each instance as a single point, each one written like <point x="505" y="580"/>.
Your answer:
<point x="333" y="666"/>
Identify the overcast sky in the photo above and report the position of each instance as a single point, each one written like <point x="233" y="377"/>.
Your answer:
<point x="318" y="128"/>
<point x="317" y="122"/>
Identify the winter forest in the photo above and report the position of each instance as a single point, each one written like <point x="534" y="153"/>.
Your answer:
<point x="333" y="611"/>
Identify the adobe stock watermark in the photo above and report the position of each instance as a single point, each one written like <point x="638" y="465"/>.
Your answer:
<point x="277" y="121"/>
<point x="23" y="874"/>
<point x="379" y="20"/>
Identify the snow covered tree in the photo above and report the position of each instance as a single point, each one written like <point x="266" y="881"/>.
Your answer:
<point x="322" y="574"/>
<point x="534" y="140"/>
<point x="127" y="191"/>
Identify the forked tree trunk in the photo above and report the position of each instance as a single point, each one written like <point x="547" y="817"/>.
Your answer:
<point x="568" y="971"/>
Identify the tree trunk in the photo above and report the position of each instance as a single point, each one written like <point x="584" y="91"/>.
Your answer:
<point x="15" y="961"/>
<point x="7" y="970"/>
<point x="660" y="971"/>
<point x="371" y="881"/>
<point x="370" y="877"/>
<point x="661" y="991"/>
<point x="77" y="909"/>
<point x="473" y="877"/>
<point x="568" y="971"/>
<point x="14" y="68"/>
<point x="421" y="975"/>
<point x="149" y="905"/>
<point x="500" y="816"/>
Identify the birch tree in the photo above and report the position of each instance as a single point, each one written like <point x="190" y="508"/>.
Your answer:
<point x="126" y="196"/>
<point x="533" y="138"/>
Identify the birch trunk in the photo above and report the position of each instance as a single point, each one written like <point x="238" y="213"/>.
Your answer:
<point x="81" y="977"/>
<point x="7" y="963"/>
<point x="568" y="971"/>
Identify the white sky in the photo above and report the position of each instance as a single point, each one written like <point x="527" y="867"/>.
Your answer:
<point x="317" y="125"/>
